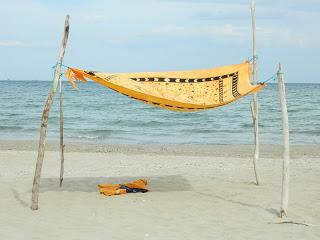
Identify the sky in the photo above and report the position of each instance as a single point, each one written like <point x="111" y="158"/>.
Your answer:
<point x="159" y="35"/>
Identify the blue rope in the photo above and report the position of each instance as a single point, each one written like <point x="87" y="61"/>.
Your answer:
<point x="273" y="77"/>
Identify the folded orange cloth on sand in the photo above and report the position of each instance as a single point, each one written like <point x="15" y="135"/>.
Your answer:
<point x="140" y="185"/>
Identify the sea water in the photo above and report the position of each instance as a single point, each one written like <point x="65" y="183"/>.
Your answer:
<point x="98" y="115"/>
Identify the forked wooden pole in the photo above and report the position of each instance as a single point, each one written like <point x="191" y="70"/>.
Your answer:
<point x="254" y="105"/>
<point x="286" y="150"/>
<point x="61" y="135"/>
<point x="44" y="120"/>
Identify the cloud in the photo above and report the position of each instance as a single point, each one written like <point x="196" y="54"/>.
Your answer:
<point x="95" y="18"/>
<point x="223" y="30"/>
<point x="238" y="14"/>
<point x="14" y="43"/>
<point x="288" y="37"/>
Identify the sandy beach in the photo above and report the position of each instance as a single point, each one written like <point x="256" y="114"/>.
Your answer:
<point x="196" y="192"/>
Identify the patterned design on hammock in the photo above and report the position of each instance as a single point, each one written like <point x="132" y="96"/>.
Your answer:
<point x="235" y="92"/>
<point x="185" y="80"/>
<point x="220" y="91"/>
<point x="234" y="76"/>
<point x="220" y="78"/>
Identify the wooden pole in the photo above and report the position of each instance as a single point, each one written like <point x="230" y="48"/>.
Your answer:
<point x="44" y="120"/>
<point x="254" y="105"/>
<point x="61" y="136"/>
<point x="286" y="153"/>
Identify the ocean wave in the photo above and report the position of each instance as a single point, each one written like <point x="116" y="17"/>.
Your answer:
<point x="100" y="131"/>
<point x="314" y="132"/>
<point x="11" y="128"/>
<point x="87" y="137"/>
<point x="8" y="114"/>
<point x="250" y="125"/>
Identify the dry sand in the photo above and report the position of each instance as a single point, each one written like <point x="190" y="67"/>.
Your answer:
<point x="196" y="192"/>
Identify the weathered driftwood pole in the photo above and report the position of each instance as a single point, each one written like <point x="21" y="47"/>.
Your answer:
<point x="61" y="136"/>
<point x="44" y="120"/>
<point x="254" y="104"/>
<point x="286" y="153"/>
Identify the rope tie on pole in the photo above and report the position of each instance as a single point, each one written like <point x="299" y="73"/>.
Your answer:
<point x="253" y="58"/>
<point x="54" y="68"/>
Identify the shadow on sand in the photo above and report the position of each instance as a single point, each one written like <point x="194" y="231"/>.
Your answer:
<point x="168" y="183"/>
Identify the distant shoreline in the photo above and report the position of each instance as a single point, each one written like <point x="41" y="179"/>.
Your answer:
<point x="214" y="150"/>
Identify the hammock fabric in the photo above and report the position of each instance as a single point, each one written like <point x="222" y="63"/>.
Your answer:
<point x="136" y="186"/>
<point x="184" y="91"/>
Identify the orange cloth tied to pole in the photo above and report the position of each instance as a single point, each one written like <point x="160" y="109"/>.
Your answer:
<point x="139" y="185"/>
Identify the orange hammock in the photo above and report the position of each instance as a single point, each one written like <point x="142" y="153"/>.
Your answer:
<point x="181" y="90"/>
